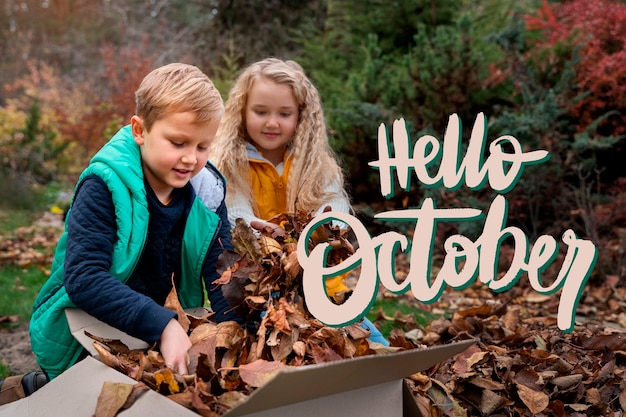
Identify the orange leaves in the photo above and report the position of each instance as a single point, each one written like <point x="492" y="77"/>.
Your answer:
<point x="166" y="382"/>
<point x="598" y="29"/>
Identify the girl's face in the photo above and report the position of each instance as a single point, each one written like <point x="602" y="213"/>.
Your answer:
<point x="174" y="150"/>
<point x="271" y="118"/>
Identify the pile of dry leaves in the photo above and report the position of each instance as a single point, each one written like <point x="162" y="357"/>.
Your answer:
<point x="520" y="365"/>
<point x="262" y="279"/>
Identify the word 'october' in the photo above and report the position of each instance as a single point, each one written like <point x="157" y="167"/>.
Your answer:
<point x="479" y="258"/>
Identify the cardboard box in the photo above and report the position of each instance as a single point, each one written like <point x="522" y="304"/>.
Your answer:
<point x="365" y="386"/>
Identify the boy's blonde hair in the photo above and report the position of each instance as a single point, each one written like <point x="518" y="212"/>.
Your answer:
<point x="177" y="88"/>
<point x="314" y="165"/>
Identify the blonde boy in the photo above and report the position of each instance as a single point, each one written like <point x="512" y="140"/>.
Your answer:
<point x="135" y="222"/>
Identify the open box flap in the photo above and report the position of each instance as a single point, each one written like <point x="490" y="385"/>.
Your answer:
<point x="303" y="383"/>
<point x="79" y="322"/>
<point x="75" y="393"/>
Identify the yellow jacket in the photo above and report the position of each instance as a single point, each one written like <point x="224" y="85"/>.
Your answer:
<point x="269" y="187"/>
<point x="270" y="191"/>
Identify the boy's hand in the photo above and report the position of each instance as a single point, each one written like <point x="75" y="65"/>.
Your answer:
<point x="174" y="346"/>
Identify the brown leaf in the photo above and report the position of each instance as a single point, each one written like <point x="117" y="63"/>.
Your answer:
<point x="112" y="398"/>
<point x="490" y="402"/>
<point x="202" y="399"/>
<point x="282" y="349"/>
<point x="115" y="345"/>
<point x="614" y="341"/>
<point x="536" y="401"/>
<point x="183" y="398"/>
<point x="299" y="348"/>
<point x="245" y="242"/>
<point x="355" y="331"/>
<point x="511" y="319"/>
<point x="260" y="371"/>
<point x="462" y="363"/>
<point x="231" y="399"/>
<point x="487" y="383"/>
<point x="443" y="400"/>
<point x="202" y="332"/>
<point x="269" y="245"/>
<point x="529" y="378"/>
<point x="173" y="303"/>
<point x="228" y="334"/>
<point x="107" y="357"/>
<point x="138" y="389"/>
<point x="322" y="354"/>
<point x="291" y="264"/>
<point x="9" y="319"/>
<point x="593" y="396"/>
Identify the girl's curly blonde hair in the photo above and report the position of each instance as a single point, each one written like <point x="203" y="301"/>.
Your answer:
<point x="314" y="164"/>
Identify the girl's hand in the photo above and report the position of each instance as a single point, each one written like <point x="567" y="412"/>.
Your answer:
<point x="174" y="346"/>
<point x="261" y="226"/>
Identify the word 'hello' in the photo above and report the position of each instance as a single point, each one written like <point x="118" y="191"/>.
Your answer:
<point x="480" y="258"/>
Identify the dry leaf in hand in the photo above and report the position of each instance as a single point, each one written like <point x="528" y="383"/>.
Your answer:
<point x="245" y="242"/>
<point x="172" y="303"/>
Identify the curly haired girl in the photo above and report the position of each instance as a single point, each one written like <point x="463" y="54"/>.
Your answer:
<point x="272" y="146"/>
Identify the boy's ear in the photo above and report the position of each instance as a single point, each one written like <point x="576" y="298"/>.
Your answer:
<point x="137" y="127"/>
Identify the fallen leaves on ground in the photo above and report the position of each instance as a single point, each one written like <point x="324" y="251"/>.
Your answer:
<point x="522" y="364"/>
<point x="32" y="245"/>
<point x="9" y="319"/>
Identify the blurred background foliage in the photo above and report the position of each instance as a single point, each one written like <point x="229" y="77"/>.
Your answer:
<point x="550" y="73"/>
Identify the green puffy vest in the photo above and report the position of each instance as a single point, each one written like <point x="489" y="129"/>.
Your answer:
<point x="118" y="163"/>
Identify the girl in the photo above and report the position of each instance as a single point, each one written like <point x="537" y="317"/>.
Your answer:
<point x="273" y="149"/>
<point x="274" y="130"/>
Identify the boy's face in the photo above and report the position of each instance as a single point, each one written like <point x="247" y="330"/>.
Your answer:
<point x="174" y="150"/>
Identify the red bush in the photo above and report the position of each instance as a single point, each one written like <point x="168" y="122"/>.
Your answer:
<point x="598" y="28"/>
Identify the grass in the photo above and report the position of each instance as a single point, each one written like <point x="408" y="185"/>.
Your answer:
<point x="391" y="307"/>
<point x="4" y="370"/>
<point x="18" y="286"/>
<point x="11" y="219"/>
<point x="18" y="289"/>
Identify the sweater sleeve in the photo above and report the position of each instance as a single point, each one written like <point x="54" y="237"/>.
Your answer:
<point x="91" y="235"/>
<point x="240" y="207"/>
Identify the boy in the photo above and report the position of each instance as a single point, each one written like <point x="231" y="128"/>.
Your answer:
<point x="136" y="222"/>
